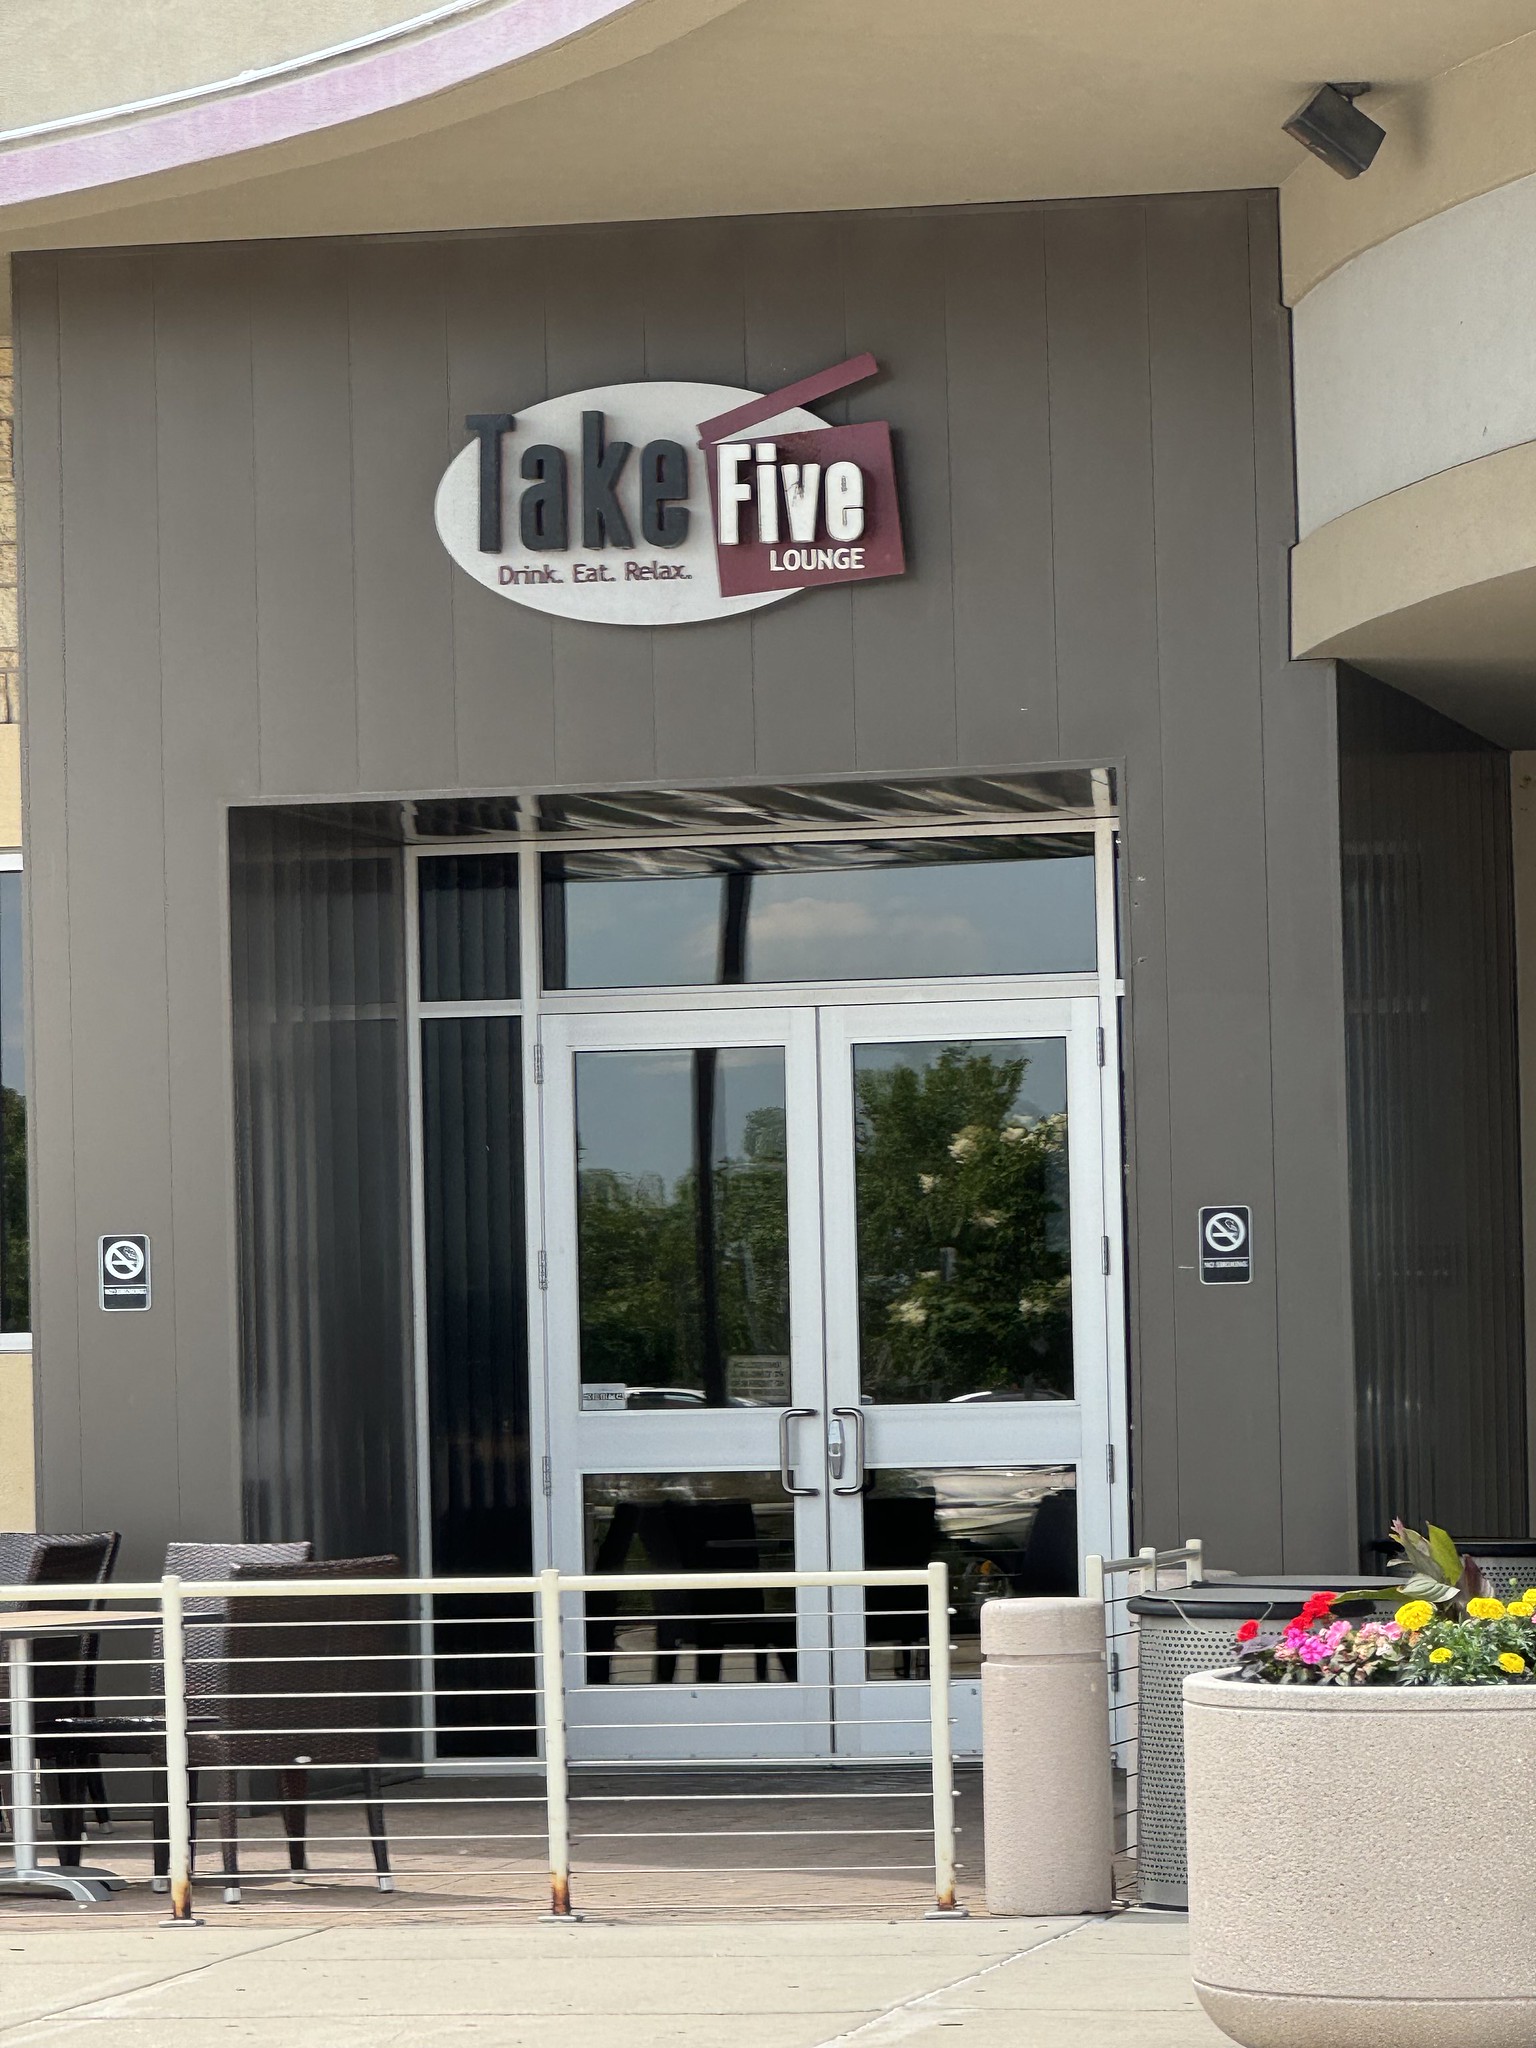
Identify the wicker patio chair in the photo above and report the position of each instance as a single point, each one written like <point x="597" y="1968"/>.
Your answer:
<point x="64" y="1668"/>
<point x="313" y="1682"/>
<point x="82" y="1740"/>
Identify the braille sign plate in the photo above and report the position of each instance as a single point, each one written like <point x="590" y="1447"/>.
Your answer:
<point x="1226" y="1245"/>
<point x="122" y="1264"/>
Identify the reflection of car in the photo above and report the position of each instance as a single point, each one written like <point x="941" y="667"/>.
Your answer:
<point x="1032" y="1389"/>
<point x="674" y="1397"/>
<point x="992" y="1506"/>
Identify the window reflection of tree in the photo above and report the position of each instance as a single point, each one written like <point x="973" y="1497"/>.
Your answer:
<point x="677" y="1278"/>
<point x="964" y="1251"/>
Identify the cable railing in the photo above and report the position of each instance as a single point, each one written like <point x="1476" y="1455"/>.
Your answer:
<point x="546" y="1743"/>
<point x="1116" y="1581"/>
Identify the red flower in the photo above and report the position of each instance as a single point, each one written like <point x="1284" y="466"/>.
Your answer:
<point x="1317" y="1606"/>
<point x="1246" y="1631"/>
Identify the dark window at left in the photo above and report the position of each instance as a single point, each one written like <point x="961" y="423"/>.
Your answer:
<point x="477" y="1375"/>
<point x="468" y="927"/>
<point x="15" y="1259"/>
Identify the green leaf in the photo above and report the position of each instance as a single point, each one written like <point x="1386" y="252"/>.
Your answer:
<point x="1446" y="1557"/>
<point x="1416" y="1551"/>
<point x="1424" y="1586"/>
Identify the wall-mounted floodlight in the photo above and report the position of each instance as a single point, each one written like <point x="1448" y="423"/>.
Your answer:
<point x="1333" y="128"/>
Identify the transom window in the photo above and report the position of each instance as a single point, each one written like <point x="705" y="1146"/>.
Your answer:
<point x="699" y="917"/>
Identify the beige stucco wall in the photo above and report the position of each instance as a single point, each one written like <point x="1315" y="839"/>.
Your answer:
<point x="1416" y="396"/>
<point x="1470" y="526"/>
<point x="848" y="106"/>
<point x="1433" y="588"/>
<point x="61" y="57"/>
<point x="18" y="1498"/>
<point x="10" y="660"/>
<point x="1449" y="138"/>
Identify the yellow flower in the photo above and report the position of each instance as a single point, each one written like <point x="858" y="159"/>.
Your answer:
<point x="1440" y="1656"/>
<point x="1414" y="1614"/>
<point x="1485" y="1610"/>
<point x="1529" y="1594"/>
<point x="1522" y="1609"/>
<point x="1511" y="1663"/>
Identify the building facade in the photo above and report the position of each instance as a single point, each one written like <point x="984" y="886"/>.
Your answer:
<point x="18" y="1450"/>
<point x="1009" y="1052"/>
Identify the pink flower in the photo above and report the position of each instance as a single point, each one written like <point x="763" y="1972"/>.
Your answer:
<point x="1314" y="1650"/>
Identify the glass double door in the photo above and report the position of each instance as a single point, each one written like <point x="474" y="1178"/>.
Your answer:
<point x="827" y="1289"/>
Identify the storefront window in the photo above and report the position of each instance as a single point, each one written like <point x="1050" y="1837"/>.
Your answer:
<point x="965" y="1267"/>
<point x="689" y="1522"/>
<point x="683" y="1228"/>
<point x="477" y="1377"/>
<point x="469" y="928"/>
<point x="877" y="911"/>
<point x="15" y="1254"/>
<point x="1005" y="1532"/>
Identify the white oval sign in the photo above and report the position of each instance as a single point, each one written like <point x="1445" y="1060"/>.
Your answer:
<point x="576" y="517"/>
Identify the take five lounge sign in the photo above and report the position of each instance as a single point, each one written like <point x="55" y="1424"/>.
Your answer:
<point x="655" y="504"/>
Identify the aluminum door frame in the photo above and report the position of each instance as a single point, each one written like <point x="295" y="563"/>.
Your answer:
<point x="1079" y="1432"/>
<point x="725" y="1720"/>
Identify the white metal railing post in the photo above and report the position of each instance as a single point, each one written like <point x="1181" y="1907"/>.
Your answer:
<point x="1093" y="1578"/>
<point x="23" y="1757"/>
<point x="1194" y="1563"/>
<point x="557" y="1783"/>
<point x="942" y="1746"/>
<point x="178" y="1794"/>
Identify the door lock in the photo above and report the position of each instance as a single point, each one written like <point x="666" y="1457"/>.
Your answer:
<point x="855" y="1418"/>
<point x="837" y="1445"/>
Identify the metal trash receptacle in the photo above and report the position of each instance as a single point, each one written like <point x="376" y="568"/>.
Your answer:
<point x="1192" y="1629"/>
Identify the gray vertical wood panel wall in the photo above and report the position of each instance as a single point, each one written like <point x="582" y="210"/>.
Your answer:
<point x="233" y="592"/>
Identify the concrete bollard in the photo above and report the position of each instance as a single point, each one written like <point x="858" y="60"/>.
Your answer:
<point x="1047" y="1786"/>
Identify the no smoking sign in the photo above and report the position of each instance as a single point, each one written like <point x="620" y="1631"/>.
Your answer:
<point x="122" y="1264"/>
<point x="1226" y="1245"/>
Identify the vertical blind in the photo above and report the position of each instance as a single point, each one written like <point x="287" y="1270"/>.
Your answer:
<point x="320" y="1094"/>
<point x="15" y="1239"/>
<point x="1433" y="1117"/>
<point x="477" y="1367"/>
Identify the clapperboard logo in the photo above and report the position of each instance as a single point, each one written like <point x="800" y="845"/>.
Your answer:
<point x="1226" y="1245"/>
<point x="123" y="1270"/>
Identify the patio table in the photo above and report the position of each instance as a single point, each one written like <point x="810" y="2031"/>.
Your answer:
<point x="18" y="1632"/>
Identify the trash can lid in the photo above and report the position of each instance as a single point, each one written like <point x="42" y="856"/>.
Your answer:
<point x="1245" y="1600"/>
<point x="1315" y="1582"/>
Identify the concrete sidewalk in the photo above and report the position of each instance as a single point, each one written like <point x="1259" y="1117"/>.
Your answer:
<point x="1116" y="1983"/>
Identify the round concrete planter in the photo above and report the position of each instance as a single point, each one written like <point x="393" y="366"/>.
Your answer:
<point x="1362" y="1863"/>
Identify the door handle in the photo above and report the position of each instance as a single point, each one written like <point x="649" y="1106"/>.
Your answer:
<point x="786" y="1476"/>
<point x="856" y="1483"/>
